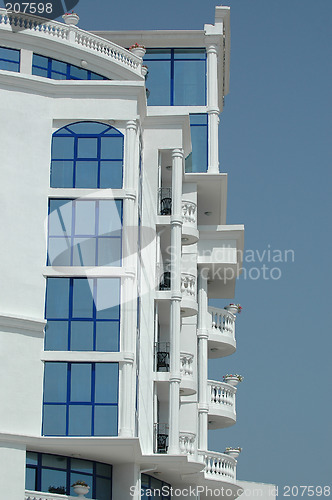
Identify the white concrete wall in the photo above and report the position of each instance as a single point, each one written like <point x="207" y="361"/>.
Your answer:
<point x="12" y="466"/>
<point x="21" y="372"/>
<point x="261" y="491"/>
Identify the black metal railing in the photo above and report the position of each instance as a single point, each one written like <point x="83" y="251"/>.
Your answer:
<point x="162" y="356"/>
<point x="165" y="201"/>
<point x="161" y="432"/>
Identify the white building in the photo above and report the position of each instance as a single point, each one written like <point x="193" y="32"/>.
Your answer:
<point x="113" y="216"/>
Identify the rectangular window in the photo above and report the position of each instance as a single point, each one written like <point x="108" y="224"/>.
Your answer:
<point x="85" y="232"/>
<point x="80" y="399"/>
<point x="9" y="59"/>
<point x="197" y="161"/>
<point x="177" y="77"/>
<point x="82" y="315"/>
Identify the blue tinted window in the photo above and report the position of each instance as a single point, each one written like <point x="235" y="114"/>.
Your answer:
<point x="105" y="420"/>
<point x="106" y="390"/>
<point x="56" y="474"/>
<point x="177" y="77"/>
<point x="87" y="155"/>
<point x="151" y="483"/>
<point x="80" y="383"/>
<point x="9" y="59"/>
<point x="54" y="420"/>
<point x="90" y="318"/>
<point x="59" y="70"/>
<point x="51" y="479"/>
<point x="80" y="399"/>
<point x="55" y="387"/>
<point x="57" y="298"/>
<point x="85" y="233"/>
<point x="197" y="161"/>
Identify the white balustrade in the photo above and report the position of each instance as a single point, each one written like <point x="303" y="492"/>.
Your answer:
<point x="219" y="465"/>
<point x="37" y="495"/>
<point x="189" y="210"/>
<point x="71" y="34"/>
<point x="222" y="321"/>
<point x="186" y="364"/>
<point x="188" y="286"/>
<point x="221" y="393"/>
<point x="187" y="443"/>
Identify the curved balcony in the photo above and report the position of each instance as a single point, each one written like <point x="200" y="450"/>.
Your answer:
<point x="71" y="37"/>
<point x="187" y="443"/>
<point x="189" y="226"/>
<point x="187" y="386"/>
<point x="219" y="466"/>
<point x="188" y="289"/>
<point x="221" y="341"/>
<point x="222" y="411"/>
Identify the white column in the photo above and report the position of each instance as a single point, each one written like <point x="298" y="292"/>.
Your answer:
<point x="202" y="332"/>
<point x="212" y="108"/>
<point x="175" y="323"/>
<point x="26" y="61"/>
<point x="128" y="287"/>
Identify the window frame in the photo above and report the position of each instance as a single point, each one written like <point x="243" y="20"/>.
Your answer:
<point x="96" y="236"/>
<point x="94" y="319"/>
<point x="67" y="132"/>
<point x="67" y="74"/>
<point x="39" y="467"/>
<point x="18" y="63"/>
<point x="92" y="404"/>
<point x="172" y="59"/>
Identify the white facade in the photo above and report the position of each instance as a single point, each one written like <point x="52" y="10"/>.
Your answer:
<point x="187" y="254"/>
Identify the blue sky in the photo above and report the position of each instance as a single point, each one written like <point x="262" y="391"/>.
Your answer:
<point x="275" y="148"/>
<point x="274" y="145"/>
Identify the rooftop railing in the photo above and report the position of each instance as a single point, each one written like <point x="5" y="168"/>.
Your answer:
<point x="62" y="32"/>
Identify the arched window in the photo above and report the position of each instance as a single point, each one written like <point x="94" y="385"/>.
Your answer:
<point x="87" y="155"/>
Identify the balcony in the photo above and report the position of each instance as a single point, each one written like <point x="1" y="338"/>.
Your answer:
<point x="189" y="219"/>
<point x="220" y="255"/>
<point x="188" y="385"/>
<point x="219" y="466"/>
<point x="189" y="215"/>
<point x="187" y="443"/>
<point x="68" y="38"/>
<point x="221" y="341"/>
<point x="221" y="398"/>
<point x="188" y="289"/>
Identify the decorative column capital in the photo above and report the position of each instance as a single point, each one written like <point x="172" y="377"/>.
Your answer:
<point x="203" y="408"/>
<point x="212" y="48"/>
<point x="131" y="125"/>
<point x="177" y="153"/>
<point x="202" y="334"/>
<point x="212" y="110"/>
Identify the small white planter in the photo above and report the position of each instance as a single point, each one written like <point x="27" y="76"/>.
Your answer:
<point x="232" y="381"/>
<point x="138" y="51"/>
<point x="234" y="453"/>
<point x="71" y="19"/>
<point x="144" y="70"/>
<point x="232" y="309"/>
<point x="81" y="491"/>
